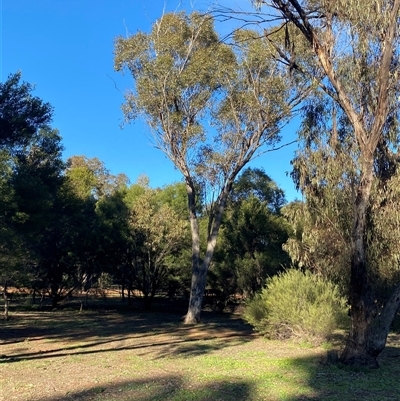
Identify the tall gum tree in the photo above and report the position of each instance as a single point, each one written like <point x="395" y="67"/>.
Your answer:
<point x="356" y="48"/>
<point x="210" y="106"/>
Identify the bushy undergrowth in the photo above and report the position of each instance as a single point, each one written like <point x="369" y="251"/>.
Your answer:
<point x="297" y="305"/>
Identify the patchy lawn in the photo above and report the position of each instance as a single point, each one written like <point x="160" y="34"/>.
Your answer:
<point x="111" y="355"/>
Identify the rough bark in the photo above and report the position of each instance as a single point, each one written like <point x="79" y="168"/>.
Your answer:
<point x="361" y="300"/>
<point x="380" y="327"/>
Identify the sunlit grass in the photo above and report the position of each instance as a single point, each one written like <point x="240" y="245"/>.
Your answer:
<point x="70" y="356"/>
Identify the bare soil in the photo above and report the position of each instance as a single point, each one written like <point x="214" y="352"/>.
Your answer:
<point x="49" y="355"/>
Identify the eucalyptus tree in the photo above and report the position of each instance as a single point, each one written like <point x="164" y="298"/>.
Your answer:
<point x="355" y="48"/>
<point x="210" y="106"/>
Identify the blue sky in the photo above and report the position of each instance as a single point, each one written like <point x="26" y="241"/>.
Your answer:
<point x="65" y="48"/>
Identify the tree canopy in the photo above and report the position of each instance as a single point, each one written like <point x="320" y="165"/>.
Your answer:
<point x="211" y="107"/>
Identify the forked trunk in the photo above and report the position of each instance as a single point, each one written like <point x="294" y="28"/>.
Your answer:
<point x="199" y="271"/>
<point x="369" y="327"/>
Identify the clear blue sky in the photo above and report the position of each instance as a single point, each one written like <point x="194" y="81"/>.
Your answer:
<point x="65" y="48"/>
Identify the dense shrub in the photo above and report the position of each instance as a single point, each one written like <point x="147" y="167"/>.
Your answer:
<point x="297" y="305"/>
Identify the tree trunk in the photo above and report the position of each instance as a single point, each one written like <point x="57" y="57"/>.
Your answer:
<point x="6" y="301"/>
<point x="375" y="336"/>
<point x="359" y="350"/>
<point x="123" y="290"/>
<point x="199" y="272"/>
<point x="54" y="296"/>
<point x="380" y="327"/>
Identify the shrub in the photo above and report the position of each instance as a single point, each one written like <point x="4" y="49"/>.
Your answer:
<point x="297" y="305"/>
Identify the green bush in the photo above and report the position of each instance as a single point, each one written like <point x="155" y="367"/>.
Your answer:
<point x="297" y="305"/>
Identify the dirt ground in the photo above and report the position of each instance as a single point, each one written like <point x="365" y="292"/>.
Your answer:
<point x="114" y="354"/>
<point x="46" y="355"/>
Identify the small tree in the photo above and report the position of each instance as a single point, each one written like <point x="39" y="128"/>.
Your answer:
<point x="184" y="77"/>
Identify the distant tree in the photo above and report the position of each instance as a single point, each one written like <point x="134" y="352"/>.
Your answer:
<point x="178" y="262"/>
<point x="143" y="235"/>
<point x="37" y="181"/>
<point x="119" y="241"/>
<point x="185" y="76"/>
<point x="253" y="232"/>
<point x="90" y="177"/>
<point x="162" y="229"/>
<point x="255" y="182"/>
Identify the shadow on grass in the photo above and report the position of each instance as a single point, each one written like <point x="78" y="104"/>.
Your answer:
<point x="295" y="379"/>
<point x="71" y="324"/>
<point x="103" y="323"/>
<point x="163" y="388"/>
<point x="69" y="333"/>
<point x="279" y="376"/>
<point x="176" y="347"/>
<point x="336" y="382"/>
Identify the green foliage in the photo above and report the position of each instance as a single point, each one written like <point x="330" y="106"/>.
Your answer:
<point x="297" y="305"/>
<point x="30" y="164"/>
<point x="143" y="236"/>
<point x="21" y="113"/>
<point x="253" y="231"/>
<point x="255" y="182"/>
<point x="90" y="177"/>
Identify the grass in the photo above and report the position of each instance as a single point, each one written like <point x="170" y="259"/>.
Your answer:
<point x="107" y="354"/>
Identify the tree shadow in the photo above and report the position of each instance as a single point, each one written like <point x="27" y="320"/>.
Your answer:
<point x="176" y="347"/>
<point x="157" y="334"/>
<point x="163" y="388"/>
<point x="102" y="324"/>
<point x="316" y="381"/>
<point x="332" y="382"/>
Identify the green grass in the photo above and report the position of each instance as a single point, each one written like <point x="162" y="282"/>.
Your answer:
<point x="112" y="356"/>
